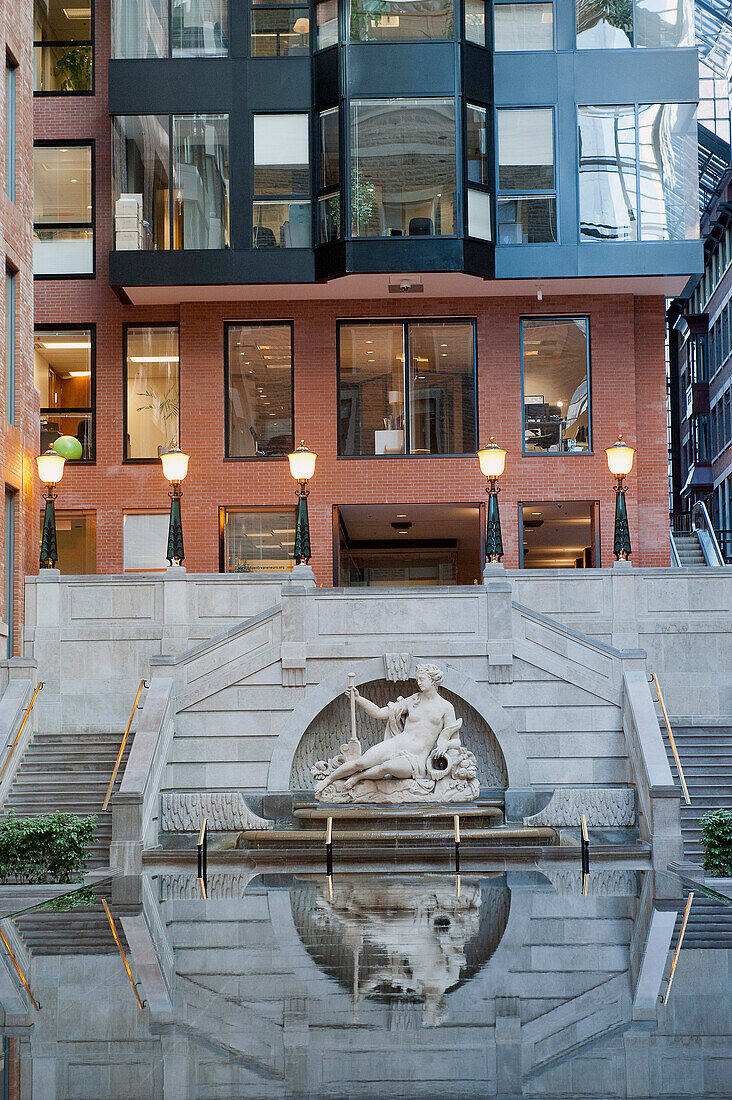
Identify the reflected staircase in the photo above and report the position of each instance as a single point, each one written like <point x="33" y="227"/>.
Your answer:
<point x="706" y="757"/>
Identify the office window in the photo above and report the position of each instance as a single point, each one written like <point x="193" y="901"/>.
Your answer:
<point x="63" y="366"/>
<point x="523" y="27"/>
<point x="401" y="21"/>
<point x="556" y="393"/>
<point x="170" y="28"/>
<point x="280" y="30"/>
<point x="407" y="388"/>
<point x="201" y="181"/>
<point x="10" y="75"/>
<point x="329" y="196"/>
<point x="141" y="181"/>
<point x="478" y="170"/>
<point x="258" y="542"/>
<point x="281" y="208"/>
<point x="63" y="237"/>
<point x="62" y="47"/>
<point x="660" y="187"/>
<point x="326" y="18"/>
<point x="11" y="286"/>
<point x="152" y="388"/>
<point x="527" y="205"/>
<point x="9" y="569"/>
<point x="646" y="23"/>
<point x="144" y="542"/>
<point x="403" y="167"/>
<point x="475" y="22"/>
<point x="259" y="390"/>
<point x="76" y="537"/>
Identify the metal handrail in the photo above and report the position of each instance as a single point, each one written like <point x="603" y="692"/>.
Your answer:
<point x="202" y="847"/>
<point x="671" y="740"/>
<point x="675" y="559"/>
<point x="120" y="754"/>
<point x="701" y="521"/>
<point x="19" y="972"/>
<point x="133" y="983"/>
<point x="28" y="709"/>
<point x="677" y="952"/>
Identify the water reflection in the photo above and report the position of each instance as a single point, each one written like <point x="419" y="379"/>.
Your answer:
<point x="509" y="984"/>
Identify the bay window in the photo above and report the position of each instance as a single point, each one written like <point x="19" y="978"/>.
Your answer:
<point x="523" y="26"/>
<point x="281" y="207"/>
<point x="527" y="204"/>
<point x="645" y="23"/>
<point x="401" y="20"/>
<point x="170" y="28"/>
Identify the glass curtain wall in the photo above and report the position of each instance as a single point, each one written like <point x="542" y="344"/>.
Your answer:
<point x="527" y="205"/>
<point x="329" y="196"/>
<point x="401" y="20"/>
<point x="258" y="542"/>
<point x="259" y="389"/>
<point x="556" y="377"/>
<point x="527" y="26"/>
<point x="326" y="18"/>
<point x="279" y="30"/>
<point x="170" y="28"/>
<point x="407" y="388"/>
<point x="201" y="181"/>
<point x="638" y="162"/>
<point x="152" y="383"/>
<point x="607" y="24"/>
<point x="281" y="209"/>
<point x="63" y="365"/>
<point x="62" y="41"/>
<point x="141" y="181"/>
<point x="63" y="238"/>
<point x="479" y="172"/>
<point x="403" y="167"/>
<point x="475" y="11"/>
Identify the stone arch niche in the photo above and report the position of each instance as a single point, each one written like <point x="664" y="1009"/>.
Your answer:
<point x="332" y="728"/>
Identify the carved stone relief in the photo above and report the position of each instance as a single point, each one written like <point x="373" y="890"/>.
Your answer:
<point x="225" y="811"/>
<point x="604" y="807"/>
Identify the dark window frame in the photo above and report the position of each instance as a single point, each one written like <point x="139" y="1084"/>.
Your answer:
<point x="37" y="43"/>
<point x="281" y="5"/>
<point x="321" y="193"/>
<point x="90" y="143"/>
<point x="11" y="342"/>
<point x="68" y="326"/>
<point x="259" y="323"/>
<point x="127" y="325"/>
<point x="590" y="434"/>
<point x="250" y="509"/>
<point x="11" y="126"/>
<point x="553" y="3"/>
<point x="313" y="118"/>
<point x="405" y="323"/>
<point x="457" y="11"/>
<point x="527" y="193"/>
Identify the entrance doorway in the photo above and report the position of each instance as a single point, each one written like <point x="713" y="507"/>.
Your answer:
<point x="407" y="544"/>
<point x="559" y="534"/>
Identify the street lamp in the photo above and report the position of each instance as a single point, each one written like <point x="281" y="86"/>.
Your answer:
<point x="302" y="468"/>
<point x="50" y="471"/>
<point x="175" y="468"/>
<point x="492" y="464"/>
<point x="620" y="463"/>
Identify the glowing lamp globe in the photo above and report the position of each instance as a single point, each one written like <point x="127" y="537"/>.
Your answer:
<point x="492" y="460"/>
<point x="68" y="446"/>
<point x="50" y="467"/>
<point x="302" y="462"/>
<point x="175" y="464"/>
<point x="620" y="458"/>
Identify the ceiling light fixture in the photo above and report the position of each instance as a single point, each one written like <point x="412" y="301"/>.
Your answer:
<point x="67" y="345"/>
<point x="154" y="358"/>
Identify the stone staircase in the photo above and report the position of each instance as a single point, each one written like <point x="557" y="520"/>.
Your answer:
<point x="709" y="926"/>
<point x="70" y="773"/>
<point x="706" y="757"/>
<point x="81" y="931"/>
<point x="689" y="549"/>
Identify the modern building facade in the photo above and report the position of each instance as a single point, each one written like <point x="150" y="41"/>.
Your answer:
<point x="389" y="232"/>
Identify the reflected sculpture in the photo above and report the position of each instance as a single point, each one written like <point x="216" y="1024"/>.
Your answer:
<point x="420" y="759"/>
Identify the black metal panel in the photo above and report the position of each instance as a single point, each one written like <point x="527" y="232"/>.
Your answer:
<point x="477" y="82"/>
<point x="330" y="261"/>
<point x="525" y="79"/>
<point x="326" y="82"/>
<point x="396" y="255"/>
<point x="196" y="85"/>
<point x="274" y="84"/>
<point x="225" y="267"/>
<point x="636" y="76"/>
<point x="479" y="258"/>
<point x="392" y="70"/>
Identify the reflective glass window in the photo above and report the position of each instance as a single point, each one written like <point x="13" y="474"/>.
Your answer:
<point x="163" y="28"/>
<point x="476" y="144"/>
<point x="527" y="26"/>
<point x="63" y="366"/>
<point x="607" y="174"/>
<point x="258" y="542"/>
<point x="199" y="28"/>
<point x="401" y="20"/>
<point x="326" y="17"/>
<point x="526" y="169"/>
<point x="475" y="22"/>
<point x="153" y="393"/>
<point x="201" y="181"/>
<point x="281" y="214"/>
<point x="145" y="542"/>
<point x="668" y="172"/>
<point x="140" y="174"/>
<point x="62" y="41"/>
<point x="329" y="199"/>
<point x="63" y="240"/>
<point x="403" y="167"/>
<point x="76" y="538"/>
<point x="664" y="23"/>
<point x="259" y="383"/>
<point x="280" y="32"/>
<point x="556" y="389"/>
<point x="140" y="28"/>
<point x="604" y="24"/>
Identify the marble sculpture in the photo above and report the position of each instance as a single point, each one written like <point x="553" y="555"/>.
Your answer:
<point x="420" y="759"/>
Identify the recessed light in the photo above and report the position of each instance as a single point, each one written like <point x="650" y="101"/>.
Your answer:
<point x="79" y="374"/>
<point x="401" y="515"/>
<point x="67" y="345"/>
<point x="153" y="358"/>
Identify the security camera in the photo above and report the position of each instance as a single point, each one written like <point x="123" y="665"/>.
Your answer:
<point x="405" y="286"/>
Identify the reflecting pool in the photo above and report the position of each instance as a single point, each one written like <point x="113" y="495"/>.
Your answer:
<point x="500" y="983"/>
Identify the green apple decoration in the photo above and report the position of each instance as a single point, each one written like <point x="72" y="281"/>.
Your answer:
<point x="68" y="446"/>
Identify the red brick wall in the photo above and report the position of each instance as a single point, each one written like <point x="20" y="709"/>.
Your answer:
<point x="18" y="443"/>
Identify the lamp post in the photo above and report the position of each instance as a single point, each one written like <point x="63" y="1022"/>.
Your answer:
<point x="492" y="464"/>
<point x="175" y="468"/>
<point x="302" y="468"/>
<point x="620" y="463"/>
<point x="50" y="471"/>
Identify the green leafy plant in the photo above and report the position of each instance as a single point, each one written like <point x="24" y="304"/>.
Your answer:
<point x="74" y="69"/>
<point x="164" y="406"/>
<point x="48" y="848"/>
<point x="717" y="839"/>
<point x="86" y="895"/>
